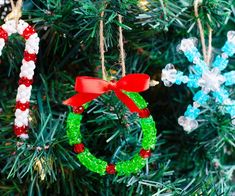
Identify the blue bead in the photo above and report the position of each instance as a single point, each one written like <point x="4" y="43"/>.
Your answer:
<point x="231" y="110"/>
<point x="192" y="112"/>
<point x="198" y="69"/>
<point x="179" y="75"/>
<point x="220" y="63"/>
<point x="192" y="54"/>
<point x="230" y="78"/>
<point x="221" y="95"/>
<point x="193" y="81"/>
<point x="201" y="97"/>
<point x="229" y="48"/>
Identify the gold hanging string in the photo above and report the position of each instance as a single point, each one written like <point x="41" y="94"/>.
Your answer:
<point x="121" y="46"/>
<point x="209" y="52"/>
<point x="199" y="24"/>
<point x="206" y="51"/>
<point x="16" y="12"/>
<point x="102" y="46"/>
<point x="122" y="52"/>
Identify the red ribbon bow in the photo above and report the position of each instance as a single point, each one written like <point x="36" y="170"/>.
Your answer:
<point x="89" y="88"/>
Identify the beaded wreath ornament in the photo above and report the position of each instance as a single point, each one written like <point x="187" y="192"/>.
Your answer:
<point x="126" y="90"/>
<point x="134" y="102"/>
<point x="27" y="70"/>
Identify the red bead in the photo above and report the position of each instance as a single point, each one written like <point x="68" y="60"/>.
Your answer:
<point x="28" y="32"/>
<point x="78" y="148"/>
<point x="145" y="153"/>
<point x="144" y="113"/>
<point x="78" y="110"/>
<point x="22" y="106"/>
<point x="25" y="81"/>
<point x="20" y="130"/>
<point x="3" y="34"/>
<point x="110" y="169"/>
<point x="30" y="57"/>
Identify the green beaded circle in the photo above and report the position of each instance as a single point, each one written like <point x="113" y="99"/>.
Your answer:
<point x="121" y="168"/>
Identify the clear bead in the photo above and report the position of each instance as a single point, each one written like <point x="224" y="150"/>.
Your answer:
<point x="233" y="121"/>
<point x="169" y="75"/>
<point x="227" y="102"/>
<point x="187" y="44"/>
<point x="231" y="36"/>
<point x="224" y="55"/>
<point x="196" y="105"/>
<point x="211" y="80"/>
<point x="187" y="123"/>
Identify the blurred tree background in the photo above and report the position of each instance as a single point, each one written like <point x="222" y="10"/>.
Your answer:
<point x="198" y="163"/>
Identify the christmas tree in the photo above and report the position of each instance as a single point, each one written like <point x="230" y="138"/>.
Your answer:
<point x="198" y="161"/>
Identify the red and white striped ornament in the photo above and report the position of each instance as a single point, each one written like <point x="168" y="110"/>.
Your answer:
<point x="31" y="38"/>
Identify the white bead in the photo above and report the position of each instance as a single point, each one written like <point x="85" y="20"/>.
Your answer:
<point x="187" y="44"/>
<point x="10" y="27"/>
<point x="227" y="102"/>
<point x="18" y="123"/>
<point x="211" y="80"/>
<point x="2" y="44"/>
<point x="233" y="121"/>
<point x="22" y="25"/>
<point x="32" y="44"/>
<point x="196" y="104"/>
<point x="187" y="123"/>
<point x="21" y="117"/>
<point x="24" y="136"/>
<point x="169" y="75"/>
<point x="224" y="55"/>
<point x="27" y="69"/>
<point x="20" y="113"/>
<point x="231" y="36"/>
<point x="23" y="93"/>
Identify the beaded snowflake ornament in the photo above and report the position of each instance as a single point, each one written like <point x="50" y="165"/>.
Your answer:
<point x="212" y="80"/>
<point x="27" y="70"/>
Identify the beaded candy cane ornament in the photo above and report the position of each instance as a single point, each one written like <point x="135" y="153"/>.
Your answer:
<point x="31" y="38"/>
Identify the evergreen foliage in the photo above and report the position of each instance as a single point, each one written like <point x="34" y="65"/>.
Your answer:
<point x="197" y="163"/>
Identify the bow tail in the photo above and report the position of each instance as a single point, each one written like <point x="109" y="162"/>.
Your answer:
<point x="80" y="99"/>
<point x="127" y="101"/>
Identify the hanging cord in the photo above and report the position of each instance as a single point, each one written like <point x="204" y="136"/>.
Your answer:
<point x="206" y="51"/>
<point x="122" y="53"/>
<point x="16" y="12"/>
<point x="121" y="46"/>
<point x="199" y="24"/>
<point x="102" y="46"/>
<point x="209" y="52"/>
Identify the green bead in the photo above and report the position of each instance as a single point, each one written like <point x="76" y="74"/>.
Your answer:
<point x="123" y="168"/>
<point x="92" y="163"/>
<point x="131" y="166"/>
<point x="149" y="133"/>
<point x="138" y="99"/>
<point x="73" y="128"/>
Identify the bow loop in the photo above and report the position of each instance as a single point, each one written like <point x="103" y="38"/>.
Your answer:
<point x="90" y="88"/>
<point x="134" y="82"/>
